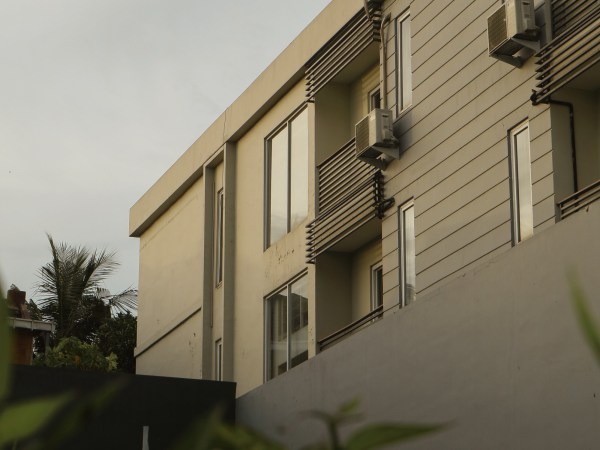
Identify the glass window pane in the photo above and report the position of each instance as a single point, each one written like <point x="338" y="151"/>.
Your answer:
<point x="277" y="310"/>
<point x="278" y="178"/>
<point x="219" y="238"/>
<point x="409" y="273"/>
<point x="523" y="188"/>
<point x="406" y="64"/>
<point x="299" y="322"/>
<point x="376" y="287"/>
<point x="299" y="170"/>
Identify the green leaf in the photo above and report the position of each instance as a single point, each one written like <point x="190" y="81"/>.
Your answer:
<point x="25" y="418"/>
<point x="584" y="316"/>
<point x="201" y="434"/>
<point x="376" y="436"/>
<point x="5" y="348"/>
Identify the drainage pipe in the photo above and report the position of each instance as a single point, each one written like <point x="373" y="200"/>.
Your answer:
<point x="384" y="22"/>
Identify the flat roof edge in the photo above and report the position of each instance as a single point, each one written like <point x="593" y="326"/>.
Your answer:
<point x="246" y="110"/>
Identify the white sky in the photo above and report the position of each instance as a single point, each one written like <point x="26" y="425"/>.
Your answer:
<point x="99" y="97"/>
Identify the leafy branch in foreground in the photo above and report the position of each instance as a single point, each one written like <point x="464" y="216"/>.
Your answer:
<point x="584" y="316"/>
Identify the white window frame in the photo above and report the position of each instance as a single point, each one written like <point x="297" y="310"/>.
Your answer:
<point x="268" y="326"/>
<point x="267" y="210"/>
<point x="374" y="98"/>
<point x="219" y="360"/>
<point x="403" y="239"/>
<point x="375" y="287"/>
<point x="520" y="184"/>
<point x="404" y="91"/>
<point x="219" y="232"/>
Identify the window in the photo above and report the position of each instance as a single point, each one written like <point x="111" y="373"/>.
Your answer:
<point x="219" y="238"/>
<point x="407" y="253"/>
<point x="376" y="286"/>
<point x="287" y="328"/>
<point x="219" y="360"/>
<point x="520" y="176"/>
<point x="403" y="63"/>
<point x="375" y="99"/>
<point x="287" y="178"/>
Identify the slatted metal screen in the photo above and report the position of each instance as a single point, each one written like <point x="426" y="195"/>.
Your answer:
<point x="574" y="49"/>
<point x="343" y="48"/>
<point x="350" y="194"/>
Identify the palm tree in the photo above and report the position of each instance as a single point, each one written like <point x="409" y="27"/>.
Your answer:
<point x="71" y="291"/>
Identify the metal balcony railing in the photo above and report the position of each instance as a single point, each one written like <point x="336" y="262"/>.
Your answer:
<point x="579" y="199"/>
<point x="574" y="48"/>
<point x="351" y="328"/>
<point x="350" y="194"/>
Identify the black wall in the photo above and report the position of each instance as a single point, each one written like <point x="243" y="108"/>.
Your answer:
<point x="166" y="405"/>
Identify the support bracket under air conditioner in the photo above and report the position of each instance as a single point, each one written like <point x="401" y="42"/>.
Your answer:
<point x="530" y="46"/>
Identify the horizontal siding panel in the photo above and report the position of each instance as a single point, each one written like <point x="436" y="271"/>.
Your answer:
<point x="542" y="190"/>
<point x="463" y="196"/>
<point x="544" y="210"/>
<point x="458" y="260"/>
<point x="441" y="34"/>
<point x="390" y="296"/>
<point x="388" y="245"/>
<point x="541" y="168"/>
<point x="391" y="278"/>
<point x="391" y="259"/>
<point x="465" y="235"/>
<point x="471" y="211"/>
<point x="389" y="225"/>
<point x="541" y="145"/>
<point x="461" y="176"/>
<point x="544" y="225"/>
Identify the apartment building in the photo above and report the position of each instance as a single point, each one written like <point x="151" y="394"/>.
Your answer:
<point x="425" y="274"/>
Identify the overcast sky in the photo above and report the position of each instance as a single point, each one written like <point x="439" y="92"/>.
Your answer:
<point x="99" y="97"/>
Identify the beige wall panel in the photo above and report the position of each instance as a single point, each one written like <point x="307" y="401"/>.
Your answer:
<point x="388" y="244"/>
<point x="391" y="278"/>
<point x="457" y="262"/>
<point x="439" y="29"/>
<point x="462" y="196"/>
<point x="542" y="189"/>
<point x="359" y="96"/>
<point x="332" y="118"/>
<point x="389" y="225"/>
<point x="544" y="211"/>
<point x="362" y="262"/>
<point x="471" y="211"/>
<point x="465" y="235"/>
<point x="541" y="168"/>
<point x="541" y="145"/>
<point x="391" y="259"/>
<point x="391" y="297"/>
<point x="259" y="272"/>
<point x="544" y="225"/>
<point x="179" y="354"/>
<point x="334" y="293"/>
<point x="171" y="265"/>
<point x="463" y="176"/>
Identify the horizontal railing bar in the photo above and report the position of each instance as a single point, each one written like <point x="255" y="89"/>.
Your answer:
<point x="350" y="328"/>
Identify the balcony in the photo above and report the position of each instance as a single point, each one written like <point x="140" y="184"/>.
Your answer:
<point x="350" y="196"/>
<point x="574" y="49"/>
<point x="579" y="200"/>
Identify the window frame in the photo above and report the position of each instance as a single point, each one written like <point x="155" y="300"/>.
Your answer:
<point x="269" y="326"/>
<point x="402" y="253"/>
<point x="219" y="235"/>
<point x="516" y="167"/>
<point x="376" y="288"/>
<point x="219" y="360"/>
<point x="286" y="124"/>
<point x="374" y="99"/>
<point x="403" y="65"/>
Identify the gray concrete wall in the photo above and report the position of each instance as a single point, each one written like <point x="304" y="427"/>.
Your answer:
<point x="497" y="354"/>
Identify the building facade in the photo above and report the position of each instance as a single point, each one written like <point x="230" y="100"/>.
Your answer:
<point x="272" y="256"/>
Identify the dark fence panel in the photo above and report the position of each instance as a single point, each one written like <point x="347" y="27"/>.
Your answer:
<point x="166" y="406"/>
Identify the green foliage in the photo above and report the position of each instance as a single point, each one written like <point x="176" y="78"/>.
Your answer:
<point x="72" y="353"/>
<point x="5" y="348"/>
<point x="118" y="335"/>
<point x="584" y="316"/>
<point x="213" y="433"/>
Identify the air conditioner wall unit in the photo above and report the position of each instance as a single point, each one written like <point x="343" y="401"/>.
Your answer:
<point x="510" y="29"/>
<point x="375" y="140"/>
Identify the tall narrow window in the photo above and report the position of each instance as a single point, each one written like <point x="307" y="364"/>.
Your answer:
<point x="219" y="360"/>
<point x="403" y="63"/>
<point x="287" y="177"/>
<point x="375" y="99"/>
<point x="287" y="327"/>
<point x="219" y="238"/>
<point x="376" y="286"/>
<point x="407" y="253"/>
<point x="520" y="174"/>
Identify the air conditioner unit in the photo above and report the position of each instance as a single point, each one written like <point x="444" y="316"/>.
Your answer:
<point x="375" y="138"/>
<point x="512" y="28"/>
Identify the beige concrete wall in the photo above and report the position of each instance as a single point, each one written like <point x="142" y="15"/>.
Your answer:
<point x="171" y="276"/>
<point x="259" y="272"/>
<point x="362" y="262"/>
<point x="359" y="95"/>
<point x="332" y="116"/>
<point x="333" y="293"/>
<point x="178" y="354"/>
<point x="496" y="355"/>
